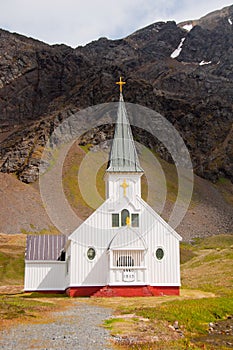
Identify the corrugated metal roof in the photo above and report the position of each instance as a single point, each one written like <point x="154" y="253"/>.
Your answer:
<point x="44" y="247"/>
<point x="123" y="156"/>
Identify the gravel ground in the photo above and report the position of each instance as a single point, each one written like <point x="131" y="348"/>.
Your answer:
<point x="75" y="328"/>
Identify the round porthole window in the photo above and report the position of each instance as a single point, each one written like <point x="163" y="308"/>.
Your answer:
<point x="159" y="253"/>
<point x="91" y="253"/>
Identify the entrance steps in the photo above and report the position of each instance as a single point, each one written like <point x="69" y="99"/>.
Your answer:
<point x="123" y="291"/>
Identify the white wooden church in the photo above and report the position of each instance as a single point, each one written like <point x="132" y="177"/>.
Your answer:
<point x="123" y="249"/>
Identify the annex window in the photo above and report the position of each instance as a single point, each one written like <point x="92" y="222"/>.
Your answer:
<point x="91" y="253"/>
<point x="159" y="253"/>
<point x="62" y="256"/>
<point x="125" y="217"/>
<point x="135" y="220"/>
<point x="115" y="220"/>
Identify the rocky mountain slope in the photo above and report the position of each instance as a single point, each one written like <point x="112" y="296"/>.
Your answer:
<point x="210" y="212"/>
<point x="21" y="207"/>
<point x="40" y="85"/>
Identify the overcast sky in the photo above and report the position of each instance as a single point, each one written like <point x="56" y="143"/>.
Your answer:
<point x="76" y="22"/>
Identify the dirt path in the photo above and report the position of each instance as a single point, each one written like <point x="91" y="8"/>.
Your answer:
<point x="78" y="328"/>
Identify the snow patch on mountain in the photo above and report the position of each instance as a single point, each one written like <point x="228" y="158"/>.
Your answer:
<point x="177" y="51"/>
<point x="188" y="27"/>
<point x="230" y="21"/>
<point x="202" y="63"/>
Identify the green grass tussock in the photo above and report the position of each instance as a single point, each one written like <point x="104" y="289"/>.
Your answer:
<point x="193" y="315"/>
<point x="213" y="242"/>
<point x="37" y="295"/>
<point x="12" y="268"/>
<point x="211" y="269"/>
<point x="14" y="307"/>
<point x="186" y="253"/>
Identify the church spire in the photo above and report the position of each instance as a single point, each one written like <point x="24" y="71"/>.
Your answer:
<point x="123" y="156"/>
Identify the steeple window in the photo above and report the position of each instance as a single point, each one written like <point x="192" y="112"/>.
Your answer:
<point x="125" y="217"/>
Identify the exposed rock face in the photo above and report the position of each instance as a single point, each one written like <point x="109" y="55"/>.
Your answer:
<point x="40" y="85"/>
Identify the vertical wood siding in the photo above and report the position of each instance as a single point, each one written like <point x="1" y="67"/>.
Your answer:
<point x="151" y="234"/>
<point x="47" y="275"/>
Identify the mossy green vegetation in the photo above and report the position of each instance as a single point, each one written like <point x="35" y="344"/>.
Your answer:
<point x="44" y="295"/>
<point x="70" y="181"/>
<point x="186" y="252"/>
<point x="213" y="242"/>
<point x="225" y="186"/>
<point x="17" y="306"/>
<point x="100" y="185"/>
<point x="12" y="248"/>
<point x="12" y="268"/>
<point x="51" y="230"/>
<point x="194" y="315"/>
<point x="211" y="269"/>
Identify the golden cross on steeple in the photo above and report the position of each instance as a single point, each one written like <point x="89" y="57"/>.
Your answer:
<point x="121" y="83"/>
<point x="124" y="185"/>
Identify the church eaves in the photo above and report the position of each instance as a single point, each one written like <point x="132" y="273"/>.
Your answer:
<point x="123" y="155"/>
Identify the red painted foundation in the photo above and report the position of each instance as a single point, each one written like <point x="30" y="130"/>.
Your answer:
<point x="82" y="291"/>
<point x="122" y="291"/>
<point x="45" y="291"/>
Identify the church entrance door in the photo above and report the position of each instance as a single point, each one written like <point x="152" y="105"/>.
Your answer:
<point x="127" y="266"/>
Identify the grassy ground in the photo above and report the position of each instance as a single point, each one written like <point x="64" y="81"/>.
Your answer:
<point x="29" y="308"/>
<point x="14" y="305"/>
<point x="210" y="269"/>
<point x="206" y="296"/>
<point x="12" y="259"/>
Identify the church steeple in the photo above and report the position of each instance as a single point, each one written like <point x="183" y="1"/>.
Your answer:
<point x="123" y="155"/>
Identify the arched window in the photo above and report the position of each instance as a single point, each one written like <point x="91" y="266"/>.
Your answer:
<point x="124" y="215"/>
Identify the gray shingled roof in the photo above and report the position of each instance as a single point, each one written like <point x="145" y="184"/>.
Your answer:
<point x="44" y="247"/>
<point x="123" y="155"/>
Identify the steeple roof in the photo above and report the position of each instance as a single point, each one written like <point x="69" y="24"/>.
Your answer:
<point x="123" y="155"/>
